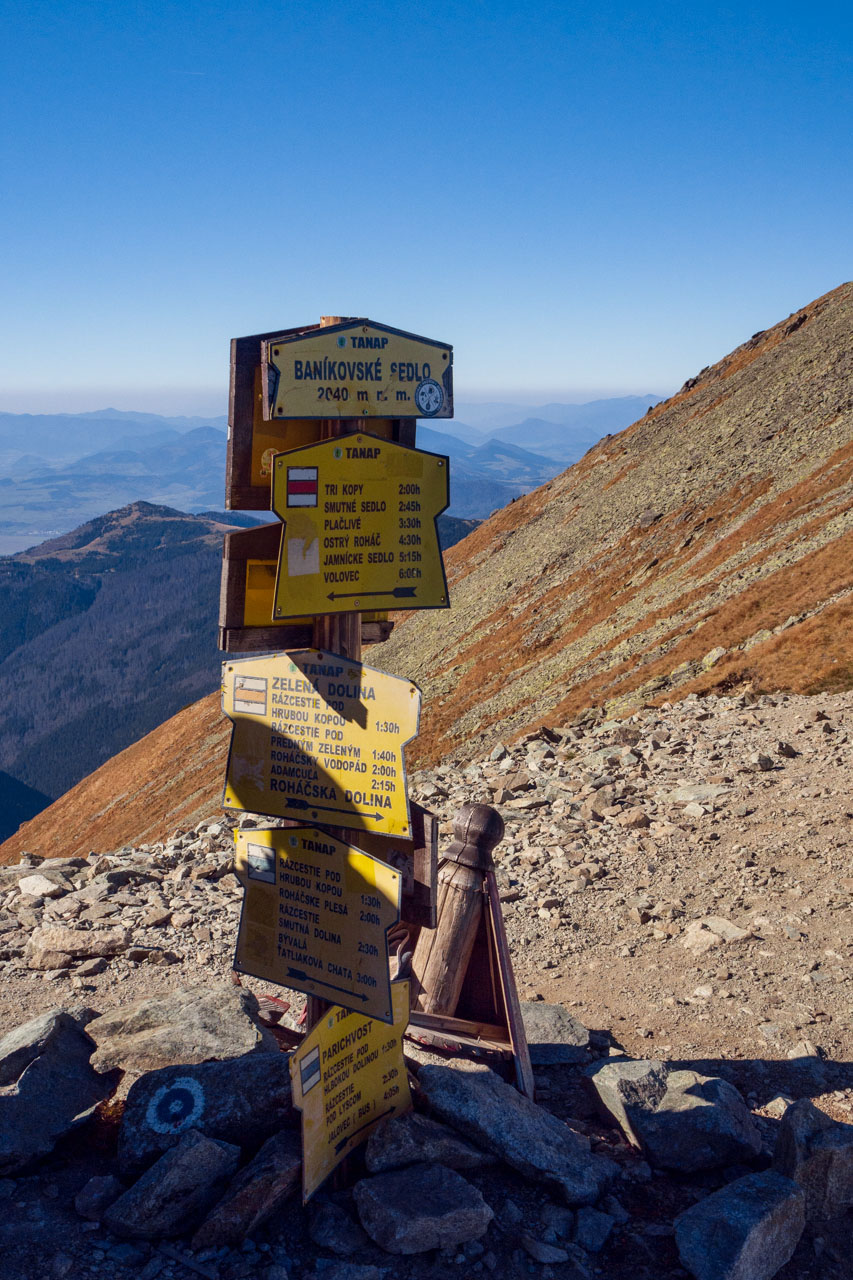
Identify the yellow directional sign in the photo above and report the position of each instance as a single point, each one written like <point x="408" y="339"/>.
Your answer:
<point x="319" y="738"/>
<point x="315" y="916"/>
<point x="360" y="527"/>
<point x="357" y="369"/>
<point x="346" y="1076"/>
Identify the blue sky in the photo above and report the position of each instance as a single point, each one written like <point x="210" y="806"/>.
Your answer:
<point x="584" y="199"/>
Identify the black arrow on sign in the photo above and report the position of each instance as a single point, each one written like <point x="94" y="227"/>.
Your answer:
<point x="399" y="593"/>
<point x="343" y="1142"/>
<point x="344" y="813"/>
<point x="301" y="976"/>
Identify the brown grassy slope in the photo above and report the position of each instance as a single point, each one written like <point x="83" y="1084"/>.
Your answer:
<point x="721" y="520"/>
<point x="171" y="778"/>
<point x="725" y="512"/>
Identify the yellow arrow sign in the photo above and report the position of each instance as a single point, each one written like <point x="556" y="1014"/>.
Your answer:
<point x="360" y="527"/>
<point x="347" y="1075"/>
<point x="315" y="916"/>
<point x="357" y="369"/>
<point x="319" y="738"/>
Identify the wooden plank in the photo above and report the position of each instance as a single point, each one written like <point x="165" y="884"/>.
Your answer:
<point x="251" y="436"/>
<point x="246" y="554"/>
<point x="515" y="1023"/>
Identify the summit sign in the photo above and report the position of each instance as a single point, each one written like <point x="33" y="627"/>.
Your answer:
<point x="357" y="369"/>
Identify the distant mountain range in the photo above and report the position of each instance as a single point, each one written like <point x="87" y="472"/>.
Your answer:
<point x="59" y="469"/>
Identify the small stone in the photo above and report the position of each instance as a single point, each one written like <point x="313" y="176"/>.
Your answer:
<point x="331" y="1227"/>
<point x="96" y="1196"/>
<point x="542" y="1252"/>
<point x="176" y="1191"/>
<point x="634" y="819"/>
<point x="419" y="1208"/>
<point x="258" y="1191"/>
<point x="592" y="1229"/>
<point x="51" y="946"/>
<point x="416" y="1139"/>
<point x="40" y="887"/>
<point x="553" y="1035"/>
<point x="746" y="1231"/>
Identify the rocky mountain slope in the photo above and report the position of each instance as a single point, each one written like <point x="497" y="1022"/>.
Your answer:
<point x="708" y="544"/>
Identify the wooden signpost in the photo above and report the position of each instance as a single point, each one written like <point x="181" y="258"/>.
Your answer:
<point x="347" y="1075"/>
<point x="320" y="737"/>
<point x="316" y="915"/>
<point x="322" y="432"/>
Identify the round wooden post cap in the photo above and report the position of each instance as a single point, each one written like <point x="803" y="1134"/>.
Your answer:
<point x="478" y="828"/>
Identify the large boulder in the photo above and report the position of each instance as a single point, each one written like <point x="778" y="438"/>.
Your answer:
<point x="255" y="1194"/>
<point x="47" y="1084"/>
<point x="192" y="1024"/>
<point x="176" y="1191"/>
<point x="817" y="1152"/>
<point x="681" y="1120"/>
<point x="242" y="1101"/>
<point x="746" y="1231"/>
<point x="474" y="1100"/>
<point x="423" y="1207"/>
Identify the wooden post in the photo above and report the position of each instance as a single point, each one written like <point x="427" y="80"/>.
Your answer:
<point x="442" y="955"/>
<point x="338" y="633"/>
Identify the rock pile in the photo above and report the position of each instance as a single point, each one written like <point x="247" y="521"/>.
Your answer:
<point x="678" y="881"/>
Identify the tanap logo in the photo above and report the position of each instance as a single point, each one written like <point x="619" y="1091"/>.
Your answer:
<point x="342" y="342"/>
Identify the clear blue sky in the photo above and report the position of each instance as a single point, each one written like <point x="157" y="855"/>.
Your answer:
<point x="583" y="198"/>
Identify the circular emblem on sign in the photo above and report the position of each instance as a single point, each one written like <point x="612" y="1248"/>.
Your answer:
<point x="293" y="841"/>
<point x="342" y="342"/>
<point x="337" y="452"/>
<point x="176" y="1106"/>
<point x="429" y="397"/>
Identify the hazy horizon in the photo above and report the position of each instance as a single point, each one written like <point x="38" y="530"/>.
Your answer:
<point x="169" y="403"/>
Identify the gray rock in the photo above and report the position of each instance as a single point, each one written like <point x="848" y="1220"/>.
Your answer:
<point x="54" y="946"/>
<point x="423" y="1207"/>
<point x="346" y="1271"/>
<point x="416" y="1139"/>
<point x="192" y="1024"/>
<point x="479" y="1104"/>
<point x="557" y="1222"/>
<point x="243" y="1101"/>
<point x="176" y="1191"/>
<point x="47" y="1084"/>
<point x="93" y="1199"/>
<point x="680" y="1119"/>
<point x="331" y="1227"/>
<point x="817" y="1153"/>
<point x="592" y="1229"/>
<point x="553" y="1035"/>
<point x="255" y="1194"/>
<point x="543" y="1252"/>
<point x="38" y="886"/>
<point x="746" y="1231"/>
